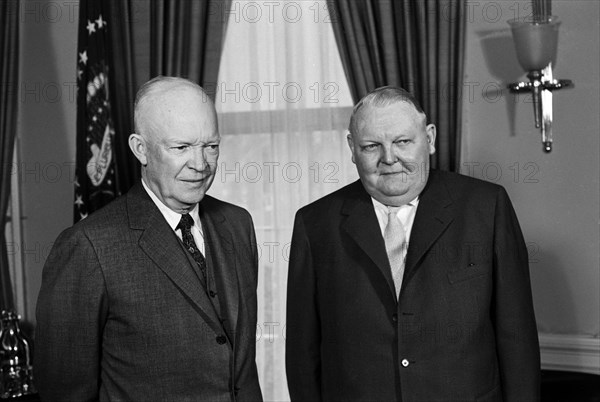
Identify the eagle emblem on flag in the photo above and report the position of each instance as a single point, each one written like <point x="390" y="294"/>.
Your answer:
<point x="100" y="128"/>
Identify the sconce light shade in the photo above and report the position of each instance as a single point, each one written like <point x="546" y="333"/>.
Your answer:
<point x="536" y="41"/>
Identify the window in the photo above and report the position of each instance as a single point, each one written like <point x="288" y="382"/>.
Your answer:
<point x="284" y="106"/>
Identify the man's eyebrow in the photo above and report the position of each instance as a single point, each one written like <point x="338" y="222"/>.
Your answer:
<point x="176" y="141"/>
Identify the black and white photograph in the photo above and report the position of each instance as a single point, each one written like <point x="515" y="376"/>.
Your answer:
<point x="300" y="200"/>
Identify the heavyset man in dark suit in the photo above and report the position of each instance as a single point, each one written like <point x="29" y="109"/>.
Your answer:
<point x="140" y="303"/>
<point x="440" y="310"/>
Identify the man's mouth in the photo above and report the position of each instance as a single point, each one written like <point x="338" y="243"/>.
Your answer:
<point x="395" y="173"/>
<point x="193" y="181"/>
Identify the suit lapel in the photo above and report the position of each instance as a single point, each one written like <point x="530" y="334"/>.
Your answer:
<point x="434" y="214"/>
<point x="161" y="245"/>
<point x="221" y="256"/>
<point x="362" y="225"/>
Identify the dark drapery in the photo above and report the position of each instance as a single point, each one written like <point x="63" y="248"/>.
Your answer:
<point x="415" y="44"/>
<point x="187" y="39"/>
<point x="125" y="80"/>
<point x="9" y="51"/>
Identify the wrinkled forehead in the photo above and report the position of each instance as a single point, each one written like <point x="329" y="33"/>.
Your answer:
<point x="171" y="98"/>
<point x="175" y="106"/>
<point x="396" y="112"/>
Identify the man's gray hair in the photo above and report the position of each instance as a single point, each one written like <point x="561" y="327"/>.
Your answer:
<point x="382" y="97"/>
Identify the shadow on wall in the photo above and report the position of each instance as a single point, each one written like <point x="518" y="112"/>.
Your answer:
<point x="501" y="61"/>
<point x="549" y="281"/>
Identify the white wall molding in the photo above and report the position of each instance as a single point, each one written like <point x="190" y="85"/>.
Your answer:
<point x="570" y="353"/>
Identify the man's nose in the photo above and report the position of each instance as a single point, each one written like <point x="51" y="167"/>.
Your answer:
<point x="197" y="159"/>
<point x="388" y="156"/>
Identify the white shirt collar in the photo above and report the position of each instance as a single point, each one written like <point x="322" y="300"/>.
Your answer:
<point x="171" y="216"/>
<point x="378" y="205"/>
<point x="406" y="213"/>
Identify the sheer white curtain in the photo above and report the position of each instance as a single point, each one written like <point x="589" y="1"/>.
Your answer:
<point x="284" y="106"/>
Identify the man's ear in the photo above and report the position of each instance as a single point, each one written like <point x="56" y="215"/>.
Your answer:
<point x="351" y="145"/>
<point x="139" y="147"/>
<point x="430" y="131"/>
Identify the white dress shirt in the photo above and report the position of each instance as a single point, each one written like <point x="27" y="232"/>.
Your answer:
<point x="173" y="219"/>
<point x="406" y="214"/>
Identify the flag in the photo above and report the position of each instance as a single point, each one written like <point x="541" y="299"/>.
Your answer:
<point x="95" y="184"/>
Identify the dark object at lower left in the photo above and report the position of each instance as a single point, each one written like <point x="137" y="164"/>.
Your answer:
<point x="16" y="372"/>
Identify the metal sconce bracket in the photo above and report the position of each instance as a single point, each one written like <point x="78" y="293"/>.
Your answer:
<point x="541" y="84"/>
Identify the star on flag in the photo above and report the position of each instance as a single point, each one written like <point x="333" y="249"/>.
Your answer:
<point x="83" y="58"/>
<point x="91" y="27"/>
<point x="101" y="23"/>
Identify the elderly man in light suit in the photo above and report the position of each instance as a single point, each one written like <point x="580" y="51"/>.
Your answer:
<point x="153" y="297"/>
<point x="409" y="284"/>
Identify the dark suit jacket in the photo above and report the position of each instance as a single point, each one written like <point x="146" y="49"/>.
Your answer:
<point x="122" y="314"/>
<point x="464" y="326"/>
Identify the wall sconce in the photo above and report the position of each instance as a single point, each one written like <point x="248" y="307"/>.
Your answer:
<point x="536" y="40"/>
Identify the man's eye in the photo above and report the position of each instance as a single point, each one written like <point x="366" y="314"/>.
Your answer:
<point x="370" y="147"/>
<point x="213" y="147"/>
<point x="180" y="148"/>
<point x="402" y="142"/>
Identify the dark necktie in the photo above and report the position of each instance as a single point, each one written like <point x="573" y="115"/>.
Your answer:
<point x="185" y="224"/>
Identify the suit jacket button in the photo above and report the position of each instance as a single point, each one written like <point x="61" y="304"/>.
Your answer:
<point x="405" y="362"/>
<point x="395" y="318"/>
<point x="212" y="293"/>
<point x="221" y="340"/>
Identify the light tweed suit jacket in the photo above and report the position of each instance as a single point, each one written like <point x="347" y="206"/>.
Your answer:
<point x="122" y="314"/>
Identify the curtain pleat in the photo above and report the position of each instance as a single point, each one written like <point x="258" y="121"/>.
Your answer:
<point x="417" y="45"/>
<point x="187" y="39"/>
<point x="123" y="84"/>
<point x="9" y="48"/>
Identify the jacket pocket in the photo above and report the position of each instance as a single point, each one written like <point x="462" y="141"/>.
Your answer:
<point x="471" y="271"/>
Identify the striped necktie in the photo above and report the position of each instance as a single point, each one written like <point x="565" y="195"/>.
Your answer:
<point x="185" y="224"/>
<point x="395" y="245"/>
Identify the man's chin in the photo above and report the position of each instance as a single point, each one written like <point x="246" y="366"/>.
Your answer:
<point x="395" y="196"/>
<point x="196" y="198"/>
<point x="394" y="189"/>
<point x="192" y="198"/>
